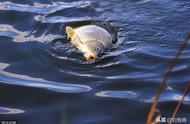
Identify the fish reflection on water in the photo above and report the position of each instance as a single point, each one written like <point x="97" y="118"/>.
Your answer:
<point x="44" y="79"/>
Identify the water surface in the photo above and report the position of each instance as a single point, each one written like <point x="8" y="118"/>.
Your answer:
<point x="44" y="80"/>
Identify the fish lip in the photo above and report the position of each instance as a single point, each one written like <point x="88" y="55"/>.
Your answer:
<point x="91" y="58"/>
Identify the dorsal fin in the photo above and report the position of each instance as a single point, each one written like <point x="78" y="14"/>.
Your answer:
<point x="70" y="32"/>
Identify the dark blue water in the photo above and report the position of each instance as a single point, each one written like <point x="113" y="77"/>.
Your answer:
<point x="44" y="80"/>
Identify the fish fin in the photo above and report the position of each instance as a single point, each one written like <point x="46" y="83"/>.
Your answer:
<point x="71" y="35"/>
<point x="70" y="32"/>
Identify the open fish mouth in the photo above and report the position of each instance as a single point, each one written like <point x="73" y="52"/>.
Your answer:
<point x="91" y="58"/>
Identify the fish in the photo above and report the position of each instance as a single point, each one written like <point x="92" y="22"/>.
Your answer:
<point x="91" y="40"/>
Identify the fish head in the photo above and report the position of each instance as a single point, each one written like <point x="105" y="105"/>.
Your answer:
<point x="92" y="49"/>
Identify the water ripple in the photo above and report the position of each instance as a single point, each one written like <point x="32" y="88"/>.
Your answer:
<point x="5" y="110"/>
<point x="34" y="44"/>
<point x="118" y="94"/>
<point x="23" y="80"/>
<point x="43" y="8"/>
<point x="142" y="96"/>
<point x="139" y="75"/>
<point x="162" y="53"/>
<point x="24" y="36"/>
<point x="60" y="19"/>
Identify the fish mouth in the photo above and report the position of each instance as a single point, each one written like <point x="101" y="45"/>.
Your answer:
<point x="91" y="58"/>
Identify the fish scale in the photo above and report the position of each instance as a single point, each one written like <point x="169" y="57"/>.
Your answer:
<point x="93" y="32"/>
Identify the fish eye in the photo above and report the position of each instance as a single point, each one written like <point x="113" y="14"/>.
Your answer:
<point x="98" y="49"/>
